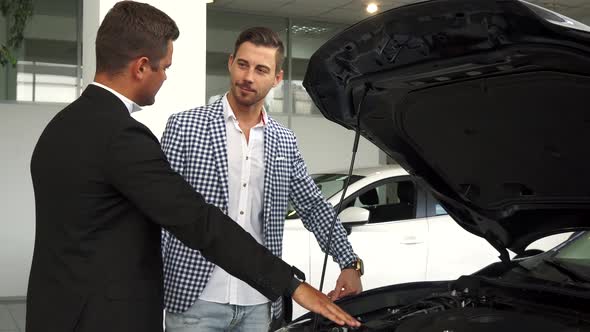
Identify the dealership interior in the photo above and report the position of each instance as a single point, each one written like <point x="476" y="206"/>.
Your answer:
<point x="48" y="73"/>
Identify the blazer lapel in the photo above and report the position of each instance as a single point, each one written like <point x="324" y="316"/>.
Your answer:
<point x="270" y="152"/>
<point x="217" y="135"/>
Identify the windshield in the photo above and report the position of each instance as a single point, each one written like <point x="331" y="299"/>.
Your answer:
<point x="567" y="263"/>
<point x="329" y="184"/>
<point x="577" y="251"/>
<point x="557" y="18"/>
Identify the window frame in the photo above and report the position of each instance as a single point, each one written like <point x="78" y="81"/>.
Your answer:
<point x="431" y="206"/>
<point x="420" y="199"/>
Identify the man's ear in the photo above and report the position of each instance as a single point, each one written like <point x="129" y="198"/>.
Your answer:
<point x="230" y="61"/>
<point x="139" y="67"/>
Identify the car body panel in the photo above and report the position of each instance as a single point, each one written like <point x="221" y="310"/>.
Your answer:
<point x="400" y="251"/>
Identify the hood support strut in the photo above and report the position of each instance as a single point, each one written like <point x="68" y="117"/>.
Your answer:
<point x="493" y="240"/>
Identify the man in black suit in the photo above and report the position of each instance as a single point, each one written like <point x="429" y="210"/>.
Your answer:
<point x="103" y="189"/>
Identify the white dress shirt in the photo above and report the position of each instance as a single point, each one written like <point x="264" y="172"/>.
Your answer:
<point x="245" y="205"/>
<point x="130" y="104"/>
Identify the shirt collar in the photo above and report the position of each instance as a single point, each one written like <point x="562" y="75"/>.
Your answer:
<point x="129" y="104"/>
<point x="228" y="113"/>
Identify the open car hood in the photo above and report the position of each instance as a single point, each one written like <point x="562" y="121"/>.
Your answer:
<point x="486" y="102"/>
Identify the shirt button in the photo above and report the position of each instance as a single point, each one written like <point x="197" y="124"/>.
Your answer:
<point x="244" y="185"/>
<point x="241" y="212"/>
<point x="246" y="157"/>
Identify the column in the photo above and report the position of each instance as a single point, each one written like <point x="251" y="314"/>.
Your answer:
<point x="185" y="86"/>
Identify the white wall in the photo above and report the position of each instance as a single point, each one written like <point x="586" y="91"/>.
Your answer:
<point x="20" y="127"/>
<point x="185" y="86"/>
<point x="328" y="146"/>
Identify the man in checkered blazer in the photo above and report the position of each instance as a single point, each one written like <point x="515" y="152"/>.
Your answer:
<point x="248" y="165"/>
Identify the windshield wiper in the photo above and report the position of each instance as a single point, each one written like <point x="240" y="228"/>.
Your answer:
<point x="565" y="269"/>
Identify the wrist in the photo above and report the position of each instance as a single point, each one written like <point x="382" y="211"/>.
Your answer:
<point x="356" y="265"/>
<point x="296" y="280"/>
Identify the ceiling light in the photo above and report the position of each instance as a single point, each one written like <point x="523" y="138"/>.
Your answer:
<point x="372" y="8"/>
<point x="310" y="30"/>
<point x="209" y="1"/>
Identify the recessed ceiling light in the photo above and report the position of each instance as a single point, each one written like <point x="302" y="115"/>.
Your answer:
<point x="372" y="8"/>
<point x="209" y="1"/>
<point x="311" y="30"/>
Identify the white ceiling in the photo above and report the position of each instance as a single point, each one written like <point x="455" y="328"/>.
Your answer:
<point x="338" y="11"/>
<point x="351" y="11"/>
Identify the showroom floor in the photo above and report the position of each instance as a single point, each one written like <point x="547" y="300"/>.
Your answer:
<point x="12" y="316"/>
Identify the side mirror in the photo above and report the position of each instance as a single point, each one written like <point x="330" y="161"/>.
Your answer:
<point x="353" y="216"/>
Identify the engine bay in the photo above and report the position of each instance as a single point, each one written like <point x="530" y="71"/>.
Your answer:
<point x="469" y="309"/>
<point x="458" y="311"/>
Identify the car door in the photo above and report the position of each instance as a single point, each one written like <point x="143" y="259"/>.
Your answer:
<point x="391" y="242"/>
<point x="296" y="238"/>
<point x="452" y="250"/>
<point x="296" y="245"/>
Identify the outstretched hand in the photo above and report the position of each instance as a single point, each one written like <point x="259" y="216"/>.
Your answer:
<point x="315" y="301"/>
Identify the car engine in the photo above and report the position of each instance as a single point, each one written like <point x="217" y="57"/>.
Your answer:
<point x="465" y="310"/>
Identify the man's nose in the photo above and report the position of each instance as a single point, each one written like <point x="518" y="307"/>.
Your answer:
<point x="248" y="75"/>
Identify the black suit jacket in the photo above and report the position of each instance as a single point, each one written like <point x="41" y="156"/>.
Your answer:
<point x="103" y="189"/>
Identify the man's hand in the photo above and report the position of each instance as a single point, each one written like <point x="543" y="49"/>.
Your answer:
<point x="348" y="283"/>
<point x="315" y="301"/>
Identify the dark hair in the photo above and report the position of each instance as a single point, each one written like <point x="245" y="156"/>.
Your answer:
<point x="261" y="36"/>
<point x="130" y="30"/>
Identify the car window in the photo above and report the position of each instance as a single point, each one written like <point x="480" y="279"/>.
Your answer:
<point x="434" y="208"/>
<point x="389" y="201"/>
<point x="577" y="251"/>
<point x="439" y="210"/>
<point x="329" y="184"/>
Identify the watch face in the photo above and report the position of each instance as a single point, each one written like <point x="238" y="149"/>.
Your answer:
<point x="360" y="266"/>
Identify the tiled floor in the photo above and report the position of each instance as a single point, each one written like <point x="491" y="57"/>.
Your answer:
<point x="12" y="316"/>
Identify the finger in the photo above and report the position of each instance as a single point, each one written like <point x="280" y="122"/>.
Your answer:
<point x="337" y="290"/>
<point x="346" y="292"/>
<point x="342" y="315"/>
<point x="336" y="294"/>
<point x="329" y="314"/>
<point x="351" y="291"/>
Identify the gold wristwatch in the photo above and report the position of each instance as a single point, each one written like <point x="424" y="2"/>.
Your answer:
<point x="357" y="265"/>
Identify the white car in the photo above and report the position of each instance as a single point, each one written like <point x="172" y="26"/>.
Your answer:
<point x="399" y="230"/>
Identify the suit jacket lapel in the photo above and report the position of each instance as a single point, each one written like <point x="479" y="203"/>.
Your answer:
<point x="270" y="153"/>
<point x="217" y="135"/>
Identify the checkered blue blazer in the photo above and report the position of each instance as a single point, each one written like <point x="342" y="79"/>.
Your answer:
<point x="195" y="144"/>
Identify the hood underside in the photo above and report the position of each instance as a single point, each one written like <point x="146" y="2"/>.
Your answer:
<point x="484" y="101"/>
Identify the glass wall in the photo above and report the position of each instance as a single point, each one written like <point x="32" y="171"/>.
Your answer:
<point x="306" y="38"/>
<point x="301" y="39"/>
<point x="222" y="30"/>
<point x="49" y="62"/>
